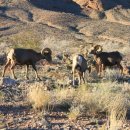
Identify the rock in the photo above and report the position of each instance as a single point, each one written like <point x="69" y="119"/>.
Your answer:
<point x="93" y="4"/>
<point x="2" y="58"/>
<point x="101" y="5"/>
<point x="7" y="81"/>
<point x="95" y="14"/>
<point x="119" y="15"/>
<point x="70" y="82"/>
<point x="1" y="2"/>
<point x="59" y="56"/>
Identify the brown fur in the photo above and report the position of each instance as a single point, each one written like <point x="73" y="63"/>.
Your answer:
<point x="104" y="59"/>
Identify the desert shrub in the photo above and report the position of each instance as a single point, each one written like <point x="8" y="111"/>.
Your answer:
<point x="112" y="74"/>
<point x="1" y="96"/>
<point x="86" y="99"/>
<point x="38" y="97"/>
<point x="109" y="97"/>
<point x="63" y="96"/>
<point x="93" y="98"/>
<point x="74" y="112"/>
<point x="117" y="112"/>
<point x="2" y="124"/>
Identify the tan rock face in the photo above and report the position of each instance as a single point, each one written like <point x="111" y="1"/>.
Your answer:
<point x="94" y="4"/>
<point x="1" y="2"/>
<point x="103" y="4"/>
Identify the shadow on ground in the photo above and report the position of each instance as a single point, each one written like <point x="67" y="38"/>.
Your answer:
<point x="109" y="4"/>
<point x="57" y="5"/>
<point x="13" y="109"/>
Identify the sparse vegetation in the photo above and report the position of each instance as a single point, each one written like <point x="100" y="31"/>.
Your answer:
<point x="38" y="97"/>
<point x="106" y="97"/>
<point x="74" y="113"/>
<point x="1" y="96"/>
<point x="64" y="26"/>
<point x="26" y="39"/>
<point x="109" y="97"/>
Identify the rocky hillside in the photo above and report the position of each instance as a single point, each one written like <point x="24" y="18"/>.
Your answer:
<point x="103" y="4"/>
<point x="64" y="26"/>
<point x="64" y="21"/>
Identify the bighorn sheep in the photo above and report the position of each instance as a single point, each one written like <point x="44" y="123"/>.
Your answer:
<point x="104" y="59"/>
<point x="80" y="65"/>
<point x="21" y="56"/>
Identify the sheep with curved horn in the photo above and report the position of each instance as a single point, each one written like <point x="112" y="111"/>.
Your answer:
<point x="22" y="56"/>
<point x="104" y="59"/>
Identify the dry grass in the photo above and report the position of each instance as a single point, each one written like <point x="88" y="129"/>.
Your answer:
<point x="107" y="96"/>
<point x="112" y="74"/>
<point x="74" y="112"/>
<point x="26" y="39"/>
<point x="38" y="97"/>
<point x="1" y="96"/>
<point x="110" y="97"/>
<point x="64" y="96"/>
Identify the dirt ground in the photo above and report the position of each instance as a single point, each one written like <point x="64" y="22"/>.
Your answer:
<point x="63" y="28"/>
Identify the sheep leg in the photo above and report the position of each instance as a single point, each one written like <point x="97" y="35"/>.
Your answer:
<point x="73" y="71"/>
<point x="12" y="70"/>
<point x="90" y="69"/>
<point x="121" y="68"/>
<point x="5" y="67"/>
<point x="83" y="77"/>
<point x="79" y="78"/>
<point x="34" y="67"/>
<point x="99" y="70"/>
<point x="103" y="69"/>
<point x="26" y="76"/>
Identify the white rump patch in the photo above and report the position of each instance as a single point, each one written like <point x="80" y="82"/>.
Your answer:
<point x="79" y="60"/>
<point x="10" y="54"/>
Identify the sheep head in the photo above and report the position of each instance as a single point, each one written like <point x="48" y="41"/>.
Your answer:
<point x="46" y="52"/>
<point x="96" y="49"/>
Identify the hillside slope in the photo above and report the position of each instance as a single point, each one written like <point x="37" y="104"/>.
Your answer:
<point x="61" y="21"/>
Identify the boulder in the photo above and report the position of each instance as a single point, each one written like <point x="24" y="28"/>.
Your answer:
<point x="93" y="4"/>
<point x="7" y="81"/>
<point x="118" y="14"/>
<point x="101" y="5"/>
<point x="95" y="14"/>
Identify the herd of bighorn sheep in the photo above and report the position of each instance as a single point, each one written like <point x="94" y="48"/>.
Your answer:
<point x="80" y="63"/>
<point x="101" y="60"/>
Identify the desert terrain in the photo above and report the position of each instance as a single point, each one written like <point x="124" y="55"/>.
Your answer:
<point x="64" y="26"/>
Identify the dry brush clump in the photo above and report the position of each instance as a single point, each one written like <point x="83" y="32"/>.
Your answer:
<point x="112" y="74"/>
<point x="63" y="96"/>
<point x="38" y="97"/>
<point x="2" y="96"/>
<point x="109" y="97"/>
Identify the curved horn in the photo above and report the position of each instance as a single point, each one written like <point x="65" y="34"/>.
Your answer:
<point x="46" y="51"/>
<point x="98" y="48"/>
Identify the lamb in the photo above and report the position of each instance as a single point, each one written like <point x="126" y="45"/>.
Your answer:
<point x="79" y="65"/>
<point x="22" y="56"/>
<point x="106" y="59"/>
